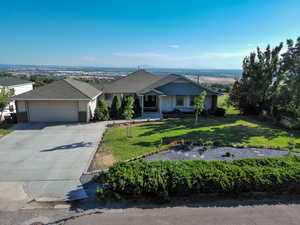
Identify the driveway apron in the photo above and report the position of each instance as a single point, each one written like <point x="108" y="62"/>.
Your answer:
<point x="49" y="158"/>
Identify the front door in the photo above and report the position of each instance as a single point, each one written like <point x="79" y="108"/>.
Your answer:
<point x="150" y="103"/>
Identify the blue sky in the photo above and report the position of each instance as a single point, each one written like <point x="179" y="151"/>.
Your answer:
<point x="159" y="33"/>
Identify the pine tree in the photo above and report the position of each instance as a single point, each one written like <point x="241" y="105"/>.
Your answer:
<point x="115" y="111"/>
<point x="137" y="108"/>
<point x="102" y="111"/>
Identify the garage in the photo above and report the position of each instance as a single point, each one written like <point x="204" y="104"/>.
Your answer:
<point x="66" y="100"/>
<point x="53" y="111"/>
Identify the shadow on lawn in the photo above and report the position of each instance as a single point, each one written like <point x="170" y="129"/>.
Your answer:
<point x="226" y="135"/>
<point x="185" y="123"/>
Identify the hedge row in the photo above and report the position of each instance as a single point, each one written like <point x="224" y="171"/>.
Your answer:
<point x="181" y="178"/>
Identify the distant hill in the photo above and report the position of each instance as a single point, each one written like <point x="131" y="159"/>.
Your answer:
<point x="226" y="73"/>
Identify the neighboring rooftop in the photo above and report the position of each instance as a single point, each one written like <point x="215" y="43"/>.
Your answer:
<point x="132" y="83"/>
<point x="62" y="89"/>
<point x="12" y="81"/>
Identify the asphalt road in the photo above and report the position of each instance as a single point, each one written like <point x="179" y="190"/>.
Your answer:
<point x="265" y="214"/>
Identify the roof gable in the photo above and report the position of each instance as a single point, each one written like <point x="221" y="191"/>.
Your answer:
<point x="132" y="83"/>
<point x="61" y="89"/>
<point x="176" y="89"/>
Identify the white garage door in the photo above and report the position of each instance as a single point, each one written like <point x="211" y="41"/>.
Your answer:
<point x="53" y="111"/>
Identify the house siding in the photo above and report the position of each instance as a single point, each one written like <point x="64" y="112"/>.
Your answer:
<point x="168" y="103"/>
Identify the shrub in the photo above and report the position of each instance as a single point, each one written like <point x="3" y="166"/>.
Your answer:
<point x="289" y="123"/>
<point x="127" y="112"/>
<point x="218" y="143"/>
<point x="115" y="111"/>
<point x="219" y="112"/>
<point x="137" y="108"/>
<point x="228" y="154"/>
<point x="164" y="179"/>
<point x="101" y="111"/>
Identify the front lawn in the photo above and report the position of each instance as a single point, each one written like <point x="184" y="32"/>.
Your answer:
<point x="233" y="130"/>
<point x="222" y="103"/>
<point x="4" y="129"/>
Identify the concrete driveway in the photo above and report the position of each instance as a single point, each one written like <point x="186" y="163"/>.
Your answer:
<point x="48" y="159"/>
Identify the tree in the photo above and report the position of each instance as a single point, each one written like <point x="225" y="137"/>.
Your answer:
<point x="137" y="108"/>
<point x="128" y="113"/>
<point x="258" y="88"/>
<point x="4" y="100"/>
<point x="115" y="111"/>
<point x="101" y="111"/>
<point x="199" y="104"/>
<point x="128" y="108"/>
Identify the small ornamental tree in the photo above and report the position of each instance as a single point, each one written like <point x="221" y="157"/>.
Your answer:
<point x="4" y="99"/>
<point x="128" y="113"/>
<point x="128" y="108"/>
<point x="199" y="104"/>
<point x="102" y="111"/>
<point x="115" y="111"/>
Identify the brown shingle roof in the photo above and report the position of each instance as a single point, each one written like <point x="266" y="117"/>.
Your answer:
<point x="132" y="83"/>
<point x="61" y="89"/>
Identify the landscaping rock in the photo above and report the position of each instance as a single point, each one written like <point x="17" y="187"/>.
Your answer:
<point x="216" y="153"/>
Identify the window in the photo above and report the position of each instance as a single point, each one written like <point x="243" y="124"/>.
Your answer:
<point x="179" y="100"/>
<point x="192" y="98"/>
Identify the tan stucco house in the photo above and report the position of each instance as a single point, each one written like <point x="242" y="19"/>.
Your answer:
<point x="66" y="100"/>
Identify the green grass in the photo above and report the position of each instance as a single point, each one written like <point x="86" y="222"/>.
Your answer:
<point x="229" y="131"/>
<point x="222" y="103"/>
<point x="4" y="129"/>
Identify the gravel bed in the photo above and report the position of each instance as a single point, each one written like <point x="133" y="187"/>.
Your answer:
<point x="216" y="153"/>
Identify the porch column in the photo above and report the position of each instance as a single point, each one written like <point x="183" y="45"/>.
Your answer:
<point x="159" y="104"/>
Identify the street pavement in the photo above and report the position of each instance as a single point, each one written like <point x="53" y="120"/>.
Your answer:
<point x="233" y="214"/>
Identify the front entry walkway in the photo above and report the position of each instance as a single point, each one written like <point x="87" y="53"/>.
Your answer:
<point x="48" y="159"/>
<point x="151" y="115"/>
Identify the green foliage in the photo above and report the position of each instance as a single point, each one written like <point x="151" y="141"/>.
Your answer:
<point x="137" y="108"/>
<point x="115" y="111"/>
<point x="40" y="80"/>
<point x="128" y="112"/>
<point x="164" y="179"/>
<point x="4" y="99"/>
<point x="229" y="131"/>
<point x="224" y="102"/>
<point x="199" y="103"/>
<point x="101" y="111"/>
<point x="270" y="82"/>
<point x="228" y="154"/>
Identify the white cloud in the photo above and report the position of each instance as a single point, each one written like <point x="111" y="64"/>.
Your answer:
<point x="229" y="54"/>
<point x="139" y="54"/>
<point x="176" y="58"/>
<point x="89" y="58"/>
<point x="173" y="46"/>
